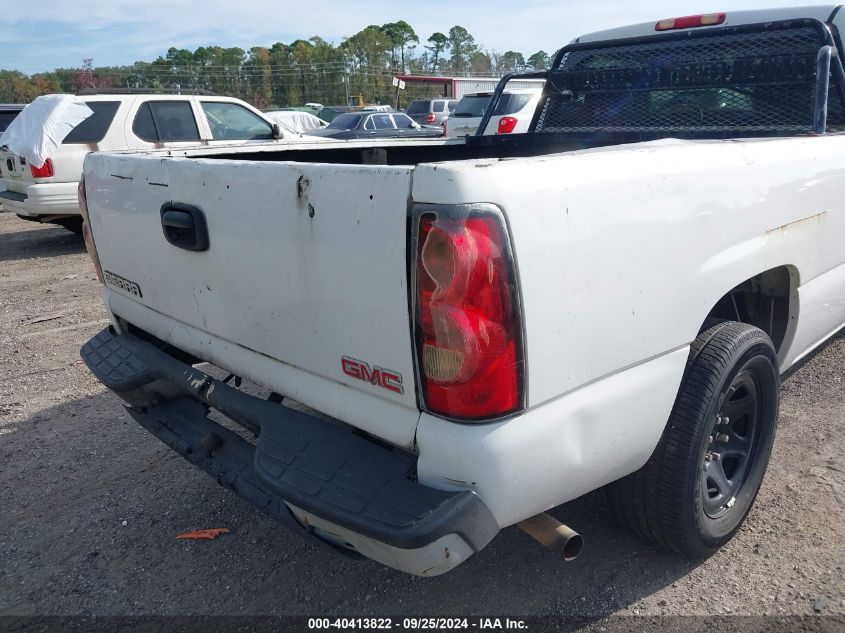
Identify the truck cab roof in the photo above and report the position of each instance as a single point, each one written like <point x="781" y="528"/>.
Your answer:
<point x="824" y="13"/>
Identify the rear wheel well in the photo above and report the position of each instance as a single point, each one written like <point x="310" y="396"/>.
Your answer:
<point x="764" y="301"/>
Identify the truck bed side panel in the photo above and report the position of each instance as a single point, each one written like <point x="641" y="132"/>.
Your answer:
<point x="623" y="251"/>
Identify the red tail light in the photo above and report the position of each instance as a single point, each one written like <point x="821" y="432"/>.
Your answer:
<point x="690" y="21"/>
<point x="443" y="125"/>
<point x="45" y="171"/>
<point x="86" y="230"/>
<point x="469" y="341"/>
<point x="507" y="124"/>
<point x="430" y="117"/>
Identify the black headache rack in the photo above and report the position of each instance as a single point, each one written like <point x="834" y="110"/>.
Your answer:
<point x="314" y="465"/>
<point x="771" y="79"/>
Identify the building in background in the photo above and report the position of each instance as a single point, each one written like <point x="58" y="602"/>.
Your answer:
<point x="457" y="87"/>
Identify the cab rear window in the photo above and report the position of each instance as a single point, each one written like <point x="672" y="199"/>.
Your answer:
<point x="94" y="128"/>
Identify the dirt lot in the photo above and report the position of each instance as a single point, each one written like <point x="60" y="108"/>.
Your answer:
<point x="90" y="503"/>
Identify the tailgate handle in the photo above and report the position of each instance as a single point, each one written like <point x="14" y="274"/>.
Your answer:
<point x="184" y="226"/>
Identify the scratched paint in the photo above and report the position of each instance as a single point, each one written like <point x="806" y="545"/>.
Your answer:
<point x="797" y="224"/>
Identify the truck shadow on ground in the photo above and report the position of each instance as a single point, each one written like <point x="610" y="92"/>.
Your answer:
<point x="96" y="503"/>
<point x="44" y="240"/>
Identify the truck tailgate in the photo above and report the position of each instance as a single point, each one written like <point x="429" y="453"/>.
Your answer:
<point x="306" y="265"/>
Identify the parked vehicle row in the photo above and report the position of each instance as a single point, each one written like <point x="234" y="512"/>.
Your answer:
<point x="47" y="193"/>
<point x="150" y="121"/>
<point x="461" y="117"/>
<point x="376" y="125"/>
<point x="512" y="115"/>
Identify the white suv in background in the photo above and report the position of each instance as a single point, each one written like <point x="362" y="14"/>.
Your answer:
<point x="512" y="116"/>
<point x="124" y="122"/>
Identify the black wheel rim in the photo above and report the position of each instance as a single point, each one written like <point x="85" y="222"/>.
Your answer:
<point x="731" y="445"/>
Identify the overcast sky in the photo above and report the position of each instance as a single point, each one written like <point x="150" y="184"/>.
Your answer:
<point x="52" y="33"/>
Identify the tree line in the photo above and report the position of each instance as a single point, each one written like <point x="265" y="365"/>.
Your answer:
<point x="283" y="75"/>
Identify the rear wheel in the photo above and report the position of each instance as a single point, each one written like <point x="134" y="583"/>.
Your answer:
<point x="702" y="479"/>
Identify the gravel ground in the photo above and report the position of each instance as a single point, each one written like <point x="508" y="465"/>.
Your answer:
<point x="90" y="503"/>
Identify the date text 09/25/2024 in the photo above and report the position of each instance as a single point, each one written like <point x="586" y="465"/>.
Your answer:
<point x="420" y="623"/>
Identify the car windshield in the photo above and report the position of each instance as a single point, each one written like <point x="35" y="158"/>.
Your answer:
<point x="472" y="106"/>
<point x="345" y="122"/>
<point x="420" y="106"/>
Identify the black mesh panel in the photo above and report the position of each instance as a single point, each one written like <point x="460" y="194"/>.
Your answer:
<point x="727" y="82"/>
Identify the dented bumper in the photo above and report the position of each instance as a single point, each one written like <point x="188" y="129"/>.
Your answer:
<point x="317" y="478"/>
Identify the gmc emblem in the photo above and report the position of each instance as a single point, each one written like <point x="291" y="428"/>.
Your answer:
<point x="378" y="376"/>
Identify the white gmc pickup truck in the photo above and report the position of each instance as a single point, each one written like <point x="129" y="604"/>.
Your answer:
<point x="493" y="326"/>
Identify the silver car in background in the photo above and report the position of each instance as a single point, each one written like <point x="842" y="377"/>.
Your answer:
<point x="431" y="111"/>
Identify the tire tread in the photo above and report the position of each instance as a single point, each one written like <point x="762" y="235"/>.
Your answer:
<point x="648" y="500"/>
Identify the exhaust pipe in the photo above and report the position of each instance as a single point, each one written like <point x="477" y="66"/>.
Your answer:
<point x="554" y="535"/>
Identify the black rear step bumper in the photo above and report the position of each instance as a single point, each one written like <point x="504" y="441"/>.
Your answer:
<point x="14" y="196"/>
<point x="300" y="466"/>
